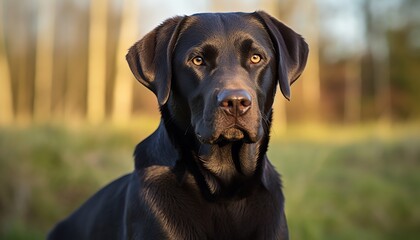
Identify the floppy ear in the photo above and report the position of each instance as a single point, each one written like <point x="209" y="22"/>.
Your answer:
<point x="292" y="51"/>
<point x="150" y="59"/>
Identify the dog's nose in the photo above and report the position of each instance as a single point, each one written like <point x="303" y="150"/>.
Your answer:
<point x="234" y="102"/>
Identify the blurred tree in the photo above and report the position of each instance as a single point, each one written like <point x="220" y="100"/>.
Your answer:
<point x="44" y="60"/>
<point x="404" y="62"/>
<point x="123" y="88"/>
<point x="61" y="43"/>
<point x="97" y="61"/>
<point x="76" y="61"/>
<point x="405" y="71"/>
<point x="353" y="91"/>
<point x="22" y="36"/>
<point x="378" y="55"/>
<point x="311" y="79"/>
<point x="6" y="98"/>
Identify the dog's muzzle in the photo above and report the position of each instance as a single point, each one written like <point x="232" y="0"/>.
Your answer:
<point x="234" y="119"/>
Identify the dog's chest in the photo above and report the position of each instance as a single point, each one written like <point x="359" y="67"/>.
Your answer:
<point x="235" y="219"/>
<point x="181" y="209"/>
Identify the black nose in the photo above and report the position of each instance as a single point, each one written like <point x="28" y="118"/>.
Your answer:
<point x="234" y="102"/>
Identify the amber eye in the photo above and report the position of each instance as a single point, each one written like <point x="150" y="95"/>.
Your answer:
<point x="255" y="59"/>
<point x="198" y="61"/>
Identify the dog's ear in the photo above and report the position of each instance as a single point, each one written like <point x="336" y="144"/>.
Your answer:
<point x="150" y="59"/>
<point x="292" y="51"/>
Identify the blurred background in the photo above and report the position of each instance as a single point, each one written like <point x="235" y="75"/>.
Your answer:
<point x="347" y="144"/>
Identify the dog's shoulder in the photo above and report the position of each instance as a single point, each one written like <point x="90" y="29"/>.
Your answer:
<point x="155" y="150"/>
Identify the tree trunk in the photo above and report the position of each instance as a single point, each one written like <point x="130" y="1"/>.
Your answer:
<point x="96" y="87"/>
<point x="24" y="75"/>
<point x="383" y="84"/>
<point x="123" y="89"/>
<point x="378" y="49"/>
<point x="353" y="92"/>
<point x="6" y="99"/>
<point x="74" y="94"/>
<point x="44" y="61"/>
<point x="310" y="77"/>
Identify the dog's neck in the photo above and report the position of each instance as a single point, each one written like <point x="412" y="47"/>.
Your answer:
<point x="229" y="170"/>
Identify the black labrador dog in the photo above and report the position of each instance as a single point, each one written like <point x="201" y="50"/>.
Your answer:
<point x="204" y="173"/>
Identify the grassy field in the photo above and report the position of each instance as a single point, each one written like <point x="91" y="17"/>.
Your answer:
<point x="354" y="184"/>
<point x="351" y="183"/>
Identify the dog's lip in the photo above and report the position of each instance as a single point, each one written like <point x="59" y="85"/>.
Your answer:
<point x="229" y="134"/>
<point x="233" y="134"/>
<point x="207" y="140"/>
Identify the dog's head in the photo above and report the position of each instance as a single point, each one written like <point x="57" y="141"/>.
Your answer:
<point x="218" y="72"/>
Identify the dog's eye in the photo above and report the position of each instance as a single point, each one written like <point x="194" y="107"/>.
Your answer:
<point x="198" y="61"/>
<point x="255" y="59"/>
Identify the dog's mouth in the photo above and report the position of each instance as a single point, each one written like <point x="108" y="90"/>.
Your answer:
<point x="232" y="135"/>
<point x="228" y="135"/>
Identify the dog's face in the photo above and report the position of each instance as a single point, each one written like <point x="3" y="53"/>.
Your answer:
<point x="225" y="72"/>
<point x="219" y="71"/>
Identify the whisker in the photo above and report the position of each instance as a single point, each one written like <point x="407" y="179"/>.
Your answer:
<point x="186" y="130"/>
<point x="266" y="122"/>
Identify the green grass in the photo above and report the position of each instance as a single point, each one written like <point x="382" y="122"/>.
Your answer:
<point x="352" y="183"/>
<point x="359" y="186"/>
